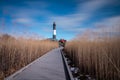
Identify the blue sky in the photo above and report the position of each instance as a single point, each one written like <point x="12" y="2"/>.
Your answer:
<point x="72" y="17"/>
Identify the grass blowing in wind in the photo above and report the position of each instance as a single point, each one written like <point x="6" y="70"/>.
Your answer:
<point x="17" y="53"/>
<point x="99" y="58"/>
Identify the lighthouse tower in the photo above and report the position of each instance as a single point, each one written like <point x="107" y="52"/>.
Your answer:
<point x="54" y="31"/>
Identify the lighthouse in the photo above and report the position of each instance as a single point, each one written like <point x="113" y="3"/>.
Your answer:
<point x="54" y="31"/>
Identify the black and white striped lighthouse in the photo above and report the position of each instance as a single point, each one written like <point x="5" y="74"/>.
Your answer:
<point x="54" y="31"/>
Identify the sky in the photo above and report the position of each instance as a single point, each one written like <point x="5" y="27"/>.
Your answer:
<point x="72" y="17"/>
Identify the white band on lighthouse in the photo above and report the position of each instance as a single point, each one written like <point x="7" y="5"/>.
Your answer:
<point x="54" y="32"/>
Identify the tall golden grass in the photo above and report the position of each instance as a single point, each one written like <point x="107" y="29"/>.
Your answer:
<point x="99" y="58"/>
<point x="16" y="53"/>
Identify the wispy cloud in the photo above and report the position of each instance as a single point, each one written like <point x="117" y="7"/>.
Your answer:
<point x="110" y="25"/>
<point x="31" y="10"/>
<point x="36" y="4"/>
<point x="67" y="21"/>
<point x="106" y="27"/>
<point x="23" y="20"/>
<point x="92" y="5"/>
<point x="26" y="14"/>
<point x="83" y="12"/>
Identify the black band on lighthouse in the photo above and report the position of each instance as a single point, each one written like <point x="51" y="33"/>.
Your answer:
<point x="54" y="26"/>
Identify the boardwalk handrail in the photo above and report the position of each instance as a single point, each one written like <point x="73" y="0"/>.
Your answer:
<point x="68" y="72"/>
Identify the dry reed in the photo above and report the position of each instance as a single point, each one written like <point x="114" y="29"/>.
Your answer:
<point x="98" y="58"/>
<point x="16" y="53"/>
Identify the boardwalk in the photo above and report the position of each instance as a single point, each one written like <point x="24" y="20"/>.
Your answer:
<point x="48" y="67"/>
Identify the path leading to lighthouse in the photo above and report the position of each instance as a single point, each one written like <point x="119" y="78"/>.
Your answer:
<point x="48" y="67"/>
